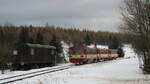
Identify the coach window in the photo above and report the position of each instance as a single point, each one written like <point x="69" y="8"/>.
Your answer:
<point x="32" y="51"/>
<point x="79" y="52"/>
<point x="52" y="52"/>
<point x="93" y="52"/>
<point x="15" y="52"/>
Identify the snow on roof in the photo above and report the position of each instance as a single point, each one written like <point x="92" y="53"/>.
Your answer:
<point x="99" y="46"/>
<point x="40" y="46"/>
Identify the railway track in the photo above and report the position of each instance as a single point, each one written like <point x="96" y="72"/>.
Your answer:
<point x="33" y="74"/>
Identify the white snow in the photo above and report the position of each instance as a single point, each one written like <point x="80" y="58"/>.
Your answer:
<point x="9" y="73"/>
<point x="121" y="71"/>
<point x="65" y="47"/>
<point x="129" y="51"/>
<point x="99" y="46"/>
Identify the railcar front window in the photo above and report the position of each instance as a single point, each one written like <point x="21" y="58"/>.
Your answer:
<point x="76" y="52"/>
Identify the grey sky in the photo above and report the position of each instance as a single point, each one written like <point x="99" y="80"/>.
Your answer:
<point x="90" y="14"/>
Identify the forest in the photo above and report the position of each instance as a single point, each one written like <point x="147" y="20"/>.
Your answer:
<point x="12" y="36"/>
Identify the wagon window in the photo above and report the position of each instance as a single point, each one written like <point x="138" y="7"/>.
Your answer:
<point x="52" y="52"/>
<point x="15" y="52"/>
<point x="32" y="51"/>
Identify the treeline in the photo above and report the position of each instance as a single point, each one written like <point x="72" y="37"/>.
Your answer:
<point x="73" y="35"/>
<point x="12" y="36"/>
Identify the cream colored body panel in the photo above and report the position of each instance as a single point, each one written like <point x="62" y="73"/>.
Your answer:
<point x="104" y="55"/>
<point x="77" y="56"/>
<point x="92" y="56"/>
<point x="114" y="55"/>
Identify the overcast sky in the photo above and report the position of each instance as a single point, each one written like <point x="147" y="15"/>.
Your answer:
<point x="91" y="14"/>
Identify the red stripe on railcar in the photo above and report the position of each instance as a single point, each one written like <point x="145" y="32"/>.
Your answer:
<point x="78" y="61"/>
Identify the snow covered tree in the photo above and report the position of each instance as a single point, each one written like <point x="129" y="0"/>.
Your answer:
<point x="136" y="22"/>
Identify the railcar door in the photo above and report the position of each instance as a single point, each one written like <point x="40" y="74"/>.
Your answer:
<point x="52" y="56"/>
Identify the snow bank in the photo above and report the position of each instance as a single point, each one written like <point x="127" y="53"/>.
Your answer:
<point x="124" y="71"/>
<point x="129" y="51"/>
<point x="120" y="71"/>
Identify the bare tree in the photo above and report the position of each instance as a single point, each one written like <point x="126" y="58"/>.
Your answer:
<point x="136" y="22"/>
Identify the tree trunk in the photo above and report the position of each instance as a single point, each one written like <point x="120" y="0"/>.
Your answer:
<point x="147" y="64"/>
<point x="3" y="69"/>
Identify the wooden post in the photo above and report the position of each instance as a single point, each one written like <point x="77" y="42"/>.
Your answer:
<point x="2" y="69"/>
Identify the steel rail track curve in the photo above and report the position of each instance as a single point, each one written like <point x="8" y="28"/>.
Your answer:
<point x="33" y="74"/>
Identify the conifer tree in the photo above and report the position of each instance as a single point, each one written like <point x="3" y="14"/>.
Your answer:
<point x="114" y="43"/>
<point x="39" y="38"/>
<point x="24" y="36"/>
<point x="87" y="40"/>
<point x="56" y="42"/>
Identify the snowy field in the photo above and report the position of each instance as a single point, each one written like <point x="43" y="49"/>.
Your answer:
<point x="120" y="71"/>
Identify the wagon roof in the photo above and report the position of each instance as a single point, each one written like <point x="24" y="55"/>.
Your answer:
<point x="40" y="46"/>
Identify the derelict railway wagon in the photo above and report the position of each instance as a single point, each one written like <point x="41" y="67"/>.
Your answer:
<point x="29" y="56"/>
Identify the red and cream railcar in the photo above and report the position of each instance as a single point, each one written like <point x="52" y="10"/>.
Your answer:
<point x="81" y="54"/>
<point x="107" y="54"/>
<point x="113" y="53"/>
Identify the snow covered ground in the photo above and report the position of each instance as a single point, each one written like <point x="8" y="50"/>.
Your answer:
<point x="120" y="71"/>
<point x="128" y="50"/>
<point x="9" y="73"/>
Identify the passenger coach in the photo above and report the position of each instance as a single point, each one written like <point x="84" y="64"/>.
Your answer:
<point x="82" y="54"/>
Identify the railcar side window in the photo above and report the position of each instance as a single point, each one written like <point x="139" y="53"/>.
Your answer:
<point x="76" y="52"/>
<point x="32" y="51"/>
<point x="91" y="51"/>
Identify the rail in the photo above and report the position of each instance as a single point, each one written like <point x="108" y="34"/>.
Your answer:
<point x="33" y="74"/>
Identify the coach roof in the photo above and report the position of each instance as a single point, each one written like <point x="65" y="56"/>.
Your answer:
<point x="40" y="46"/>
